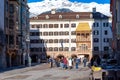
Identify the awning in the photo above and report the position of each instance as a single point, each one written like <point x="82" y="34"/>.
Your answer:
<point x="83" y="27"/>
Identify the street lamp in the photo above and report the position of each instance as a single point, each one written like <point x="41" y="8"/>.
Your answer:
<point x="28" y="50"/>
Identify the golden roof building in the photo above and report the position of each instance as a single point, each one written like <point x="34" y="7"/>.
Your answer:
<point x="69" y="33"/>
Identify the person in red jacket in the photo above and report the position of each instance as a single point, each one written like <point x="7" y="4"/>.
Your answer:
<point x="65" y="62"/>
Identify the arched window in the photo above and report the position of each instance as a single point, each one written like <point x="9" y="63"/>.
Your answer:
<point x="55" y="49"/>
<point x="50" y="41"/>
<point x="56" y="41"/>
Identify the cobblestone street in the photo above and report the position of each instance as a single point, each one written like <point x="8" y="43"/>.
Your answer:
<point x="43" y="72"/>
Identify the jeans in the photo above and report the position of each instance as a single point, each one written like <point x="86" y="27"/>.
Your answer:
<point x="76" y="65"/>
<point x="61" y="65"/>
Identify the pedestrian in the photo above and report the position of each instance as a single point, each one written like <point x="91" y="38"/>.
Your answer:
<point x="57" y="62"/>
<point x="50" y="62"/>
<point x="61" y="63"/>
<point x="77" y="61"/>
<point x="85" y="61"/>
<point x="65" y="62"/>
<point x="70" y="63"/>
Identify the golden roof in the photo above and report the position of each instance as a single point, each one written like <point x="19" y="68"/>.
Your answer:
<point x="83" y="27"/>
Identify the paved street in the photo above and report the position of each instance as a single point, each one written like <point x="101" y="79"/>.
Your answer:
<point x="43" y="72"/>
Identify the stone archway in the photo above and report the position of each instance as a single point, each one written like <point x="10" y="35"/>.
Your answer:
<point x="60" y="56"/>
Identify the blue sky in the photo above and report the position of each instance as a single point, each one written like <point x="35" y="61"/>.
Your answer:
<point x="85" y="1"/>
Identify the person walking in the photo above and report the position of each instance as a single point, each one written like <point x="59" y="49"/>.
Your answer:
<point x="77" y="61"/>
<point x="65" y="62"/>
<point x="61" y="63"/>
<point x="50" y="62"/>
<point x="70" y="63"/>
<point x="85" y="61"/>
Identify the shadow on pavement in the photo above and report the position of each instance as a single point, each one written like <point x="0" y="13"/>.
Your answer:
<point x="18" y="67"/>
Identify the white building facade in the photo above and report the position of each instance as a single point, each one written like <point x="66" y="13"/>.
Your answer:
<point x="75" y="33"/>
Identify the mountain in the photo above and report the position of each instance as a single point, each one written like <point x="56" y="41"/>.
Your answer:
<point x="59" y="10"/>
<point x="37" y="8"/>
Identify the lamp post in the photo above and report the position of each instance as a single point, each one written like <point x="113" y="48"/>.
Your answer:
<point x="28" y="50"/>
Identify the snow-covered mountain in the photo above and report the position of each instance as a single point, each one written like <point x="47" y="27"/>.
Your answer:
<point x="37" y="8"/>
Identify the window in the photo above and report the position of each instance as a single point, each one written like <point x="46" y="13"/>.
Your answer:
<point x="93" y="24"/>
<point x="55" y="33"/>
<point x="33" y="26"/>
<point x="66" y="49"/>
<point x="66" y="33"/>
<point x="11" y="24"/>
<point x="7" y="6"/>
<point x="67" y="40"/>
<point x="73" y="25"/>
<point x="78" y="34"/>
<point x="55" y="49"/>
<point x="73" y="33"/>
<point x="96" y="48"/>
<point x="36" y="33"/>
<point x="66" y="25"/>
<point x="83" y="47"/>
<point x="47" y="17"/>
<point x="106" y="24"/>
<point x="96" y="32"/>
<point x="60" y="33"/>
<point x="40" y="25"/>
<point x="50" y="49"/>
<point x="32" y="41"/>
<point x="95" y="40"/>
<point x="41" y="41"/>
<point x="45" y="33"/>
<point x="106" y="39"/>
<point x="45" y="26"/>
<point x="50" y="25"/>
<point x="34" y="49"/>
<point x="60" y="49"/>
<point x="56" y="41"/>
<point x="61" y="25"/>
<point x="73" y="40"/>
<point x="32" y="33"/>
<point x="73" y="49"/>
<point x="55" y="25"/>
<point x="11" y="8"/>
<point x="61" y="40"/>
<point x="37" y="26"/>
<point x="105" y="32"/>
<point x="60" y="16"/>
<point x="77" y="16"/>
<point x="50" y="33"/>
<point x="106" y="48"/>
<point x="96" y="24"/>
<point x="50" y="41"/>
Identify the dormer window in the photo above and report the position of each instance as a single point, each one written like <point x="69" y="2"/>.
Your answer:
<point x="77" y="16"/>
<point x="60" y="16"/>
<point x="47" y="17"/>
<point x="35" y="17"/>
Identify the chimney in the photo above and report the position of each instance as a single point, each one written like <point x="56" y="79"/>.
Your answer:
<point x="94" y="10"/>
<point x="53" y="11"/>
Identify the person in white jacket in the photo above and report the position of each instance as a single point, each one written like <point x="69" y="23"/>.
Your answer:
<point x="70" y="63"/>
